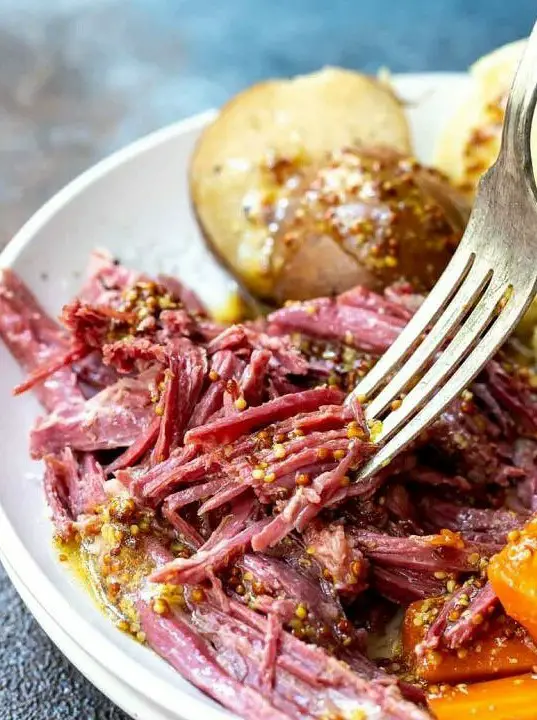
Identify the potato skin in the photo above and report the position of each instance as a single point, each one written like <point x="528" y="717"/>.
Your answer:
<point x="367" y="217"/>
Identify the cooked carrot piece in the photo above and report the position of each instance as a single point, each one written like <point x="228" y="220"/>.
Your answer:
<point x="513" y="575"/>
<point x="512" y="698"/>
<point x="502" y="648"/>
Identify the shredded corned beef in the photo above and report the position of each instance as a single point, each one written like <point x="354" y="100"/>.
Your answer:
<point x="224" y="459"/>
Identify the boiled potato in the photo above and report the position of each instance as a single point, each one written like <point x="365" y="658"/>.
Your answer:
<point x="235" y="165"/>
<point x="304" y="187"/>
<point x="470" y="142"/>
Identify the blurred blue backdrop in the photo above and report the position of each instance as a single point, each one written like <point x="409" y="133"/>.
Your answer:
<point x="147" y="62"/>
<point x="79" y="78"/>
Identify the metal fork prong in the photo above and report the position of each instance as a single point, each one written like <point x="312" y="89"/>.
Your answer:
<point x="501" y="235"/>
<point x="519" y="112"/>
<point x="461" y="345"/>
<point x="464" y="375"/>
<point x="437" y="300"/>
<point x="459" y="306"/>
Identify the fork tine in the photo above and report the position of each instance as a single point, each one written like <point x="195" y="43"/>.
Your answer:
<point x="478" y="358"/>
<point x="448" y="361"/>
<point x="500" y="232"/>
<point x="520" y="110"/>
<point x="428" y="313"/>
<point x="461" y="303"/>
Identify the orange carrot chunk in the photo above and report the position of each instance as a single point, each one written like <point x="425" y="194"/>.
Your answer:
<point x="513" y="575"/>
<point x="512" y="698"/>
<point x="501" y="648"/>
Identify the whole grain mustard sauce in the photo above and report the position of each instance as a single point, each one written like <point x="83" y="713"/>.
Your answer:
<point x="389" y="216"/>
<point x="107" y="555"/>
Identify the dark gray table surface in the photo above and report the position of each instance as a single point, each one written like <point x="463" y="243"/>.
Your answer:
<point x="80" y="78"/>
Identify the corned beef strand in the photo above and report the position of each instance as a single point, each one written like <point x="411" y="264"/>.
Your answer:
<point x="211" y="470"/>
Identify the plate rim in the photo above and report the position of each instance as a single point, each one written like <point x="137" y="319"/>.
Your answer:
<point x="92" y="175"/>
<point x="91" y="640"/>
<point x="110" y="656"/>
<point x="91" y="670"/>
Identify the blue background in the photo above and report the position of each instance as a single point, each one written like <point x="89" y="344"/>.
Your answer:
<point x="79" y="78"/>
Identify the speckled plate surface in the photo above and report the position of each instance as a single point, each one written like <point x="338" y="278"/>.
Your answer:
<point x="136" y="204"/>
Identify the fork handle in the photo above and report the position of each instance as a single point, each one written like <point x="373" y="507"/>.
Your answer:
<point x="516" y="147"/>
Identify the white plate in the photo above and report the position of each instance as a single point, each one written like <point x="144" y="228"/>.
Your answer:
<point x="131" y="702"/>
<point x="136" y="204"/>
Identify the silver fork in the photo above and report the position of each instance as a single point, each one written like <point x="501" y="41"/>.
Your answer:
<point x="479" y="298"/>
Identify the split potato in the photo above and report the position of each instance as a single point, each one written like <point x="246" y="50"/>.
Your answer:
<point x="470" y="142"/>
<point x="305" y="187"/>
